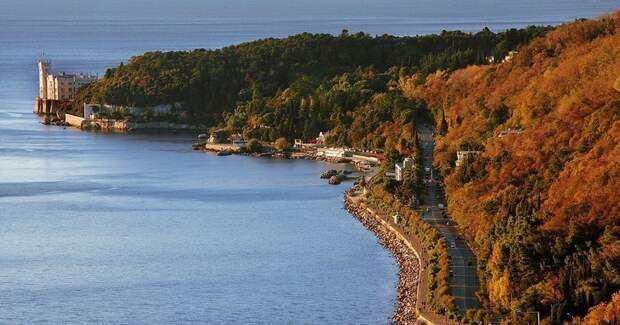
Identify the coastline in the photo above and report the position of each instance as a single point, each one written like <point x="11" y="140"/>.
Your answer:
<point x="407" y="260"/>
<point x="188" y="213"/>
<point x="413" y="287"/>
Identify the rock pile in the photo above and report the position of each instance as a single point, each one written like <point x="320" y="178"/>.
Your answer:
<point x="409" y="270"/>
<point x="337" y="179"/>
<point x="329" y="173"/>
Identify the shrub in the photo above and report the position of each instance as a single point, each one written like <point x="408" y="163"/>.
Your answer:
<point x="254" y="146"/>
<point x="281" y="144"/>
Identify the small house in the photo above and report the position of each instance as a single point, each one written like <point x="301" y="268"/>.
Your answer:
<point x="237" y="140"/>
<point x="510" y="55"/>
<point x="462" y="156"/>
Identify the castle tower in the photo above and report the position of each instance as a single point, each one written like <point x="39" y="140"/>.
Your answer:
<point x="43" y="72"/>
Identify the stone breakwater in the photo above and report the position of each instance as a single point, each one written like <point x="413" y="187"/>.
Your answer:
<point x="409" y="270"/>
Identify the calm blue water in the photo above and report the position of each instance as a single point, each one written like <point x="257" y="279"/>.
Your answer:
<point x="102" y="228"/>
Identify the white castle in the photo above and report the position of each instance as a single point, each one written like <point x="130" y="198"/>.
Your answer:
<point x="61" y="86"/>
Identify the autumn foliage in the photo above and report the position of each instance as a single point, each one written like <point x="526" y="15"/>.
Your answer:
<point x="605" y="312"/>
<point x="541" y="203"/>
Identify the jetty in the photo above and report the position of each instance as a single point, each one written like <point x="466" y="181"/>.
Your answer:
<point x="216" y="147"/>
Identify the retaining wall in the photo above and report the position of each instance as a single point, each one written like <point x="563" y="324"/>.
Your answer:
<point x="74" y="121"/>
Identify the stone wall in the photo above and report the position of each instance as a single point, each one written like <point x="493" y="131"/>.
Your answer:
<point x="74" y="121"/>
<point x="122" y="125"/>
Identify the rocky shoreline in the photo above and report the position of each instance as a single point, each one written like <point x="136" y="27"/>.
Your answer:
<point x="408" y="264"/>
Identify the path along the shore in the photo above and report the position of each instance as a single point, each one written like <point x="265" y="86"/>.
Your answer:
<point x="412" y="283"/>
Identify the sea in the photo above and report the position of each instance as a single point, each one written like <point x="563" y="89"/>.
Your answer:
<point x="104" y="228"/>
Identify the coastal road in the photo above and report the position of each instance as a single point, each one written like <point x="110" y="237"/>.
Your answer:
<point x="463" y="278"/>
<point x="424" y="315"/>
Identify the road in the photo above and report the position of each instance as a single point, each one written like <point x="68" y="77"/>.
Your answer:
<point x="463" y="280"/>
<point x="424" y="315"/>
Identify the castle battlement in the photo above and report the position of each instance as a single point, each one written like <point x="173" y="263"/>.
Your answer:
<point x="61" y="86"/>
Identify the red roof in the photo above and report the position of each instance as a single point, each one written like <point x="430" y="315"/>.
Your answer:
<point x="379" y="156"/>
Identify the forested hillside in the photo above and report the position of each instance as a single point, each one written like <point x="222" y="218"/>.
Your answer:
<point x="298" y="86"/>
<point x="541" y="203"/>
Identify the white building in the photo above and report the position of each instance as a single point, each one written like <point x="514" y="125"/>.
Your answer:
<point x="300" y="144"/>
<point x="60" y="86"/>
<point x="399" y="168"/>
<point x="398" y="172"/>
<point x="333" y="152"/>
<point x="509" y="57"/>
<point x="461" y="156"/>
